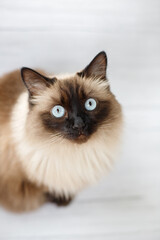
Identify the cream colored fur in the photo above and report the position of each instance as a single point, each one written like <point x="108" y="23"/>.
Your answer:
<point x="62" y="166"/>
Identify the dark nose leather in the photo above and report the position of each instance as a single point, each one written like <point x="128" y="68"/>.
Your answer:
<point x="78" y="123"/>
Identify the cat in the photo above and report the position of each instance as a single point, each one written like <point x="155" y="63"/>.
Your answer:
<point x="57" y="134"/>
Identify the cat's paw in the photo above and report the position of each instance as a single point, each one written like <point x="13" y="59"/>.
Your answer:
<point x="58" y="200"/>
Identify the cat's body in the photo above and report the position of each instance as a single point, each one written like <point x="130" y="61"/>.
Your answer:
<point x="44" y="157"/>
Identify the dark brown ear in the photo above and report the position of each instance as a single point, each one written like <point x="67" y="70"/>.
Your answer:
<point x="96" y="68"/>
<point x="34" y="81"/>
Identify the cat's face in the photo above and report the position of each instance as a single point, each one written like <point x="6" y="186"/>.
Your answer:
<point x="71" y="107"/>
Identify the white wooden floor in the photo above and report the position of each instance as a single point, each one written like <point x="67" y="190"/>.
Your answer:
<point x="64" y="36"/>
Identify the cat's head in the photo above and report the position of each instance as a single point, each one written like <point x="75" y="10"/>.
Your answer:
<point x="71" y="107"/>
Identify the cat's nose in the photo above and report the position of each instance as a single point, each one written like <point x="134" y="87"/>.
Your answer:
<point x="78" y="123"/>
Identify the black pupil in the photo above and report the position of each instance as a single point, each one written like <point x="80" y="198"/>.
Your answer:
<point x="58" y="110"/>
<point x="90" y="103"/>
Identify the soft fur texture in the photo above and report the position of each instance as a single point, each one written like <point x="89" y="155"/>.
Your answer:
<point x="42" y="158"/>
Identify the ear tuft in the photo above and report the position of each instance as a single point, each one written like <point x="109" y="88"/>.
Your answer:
<point x="34" y="81"/>
<point x="96" y="68"/>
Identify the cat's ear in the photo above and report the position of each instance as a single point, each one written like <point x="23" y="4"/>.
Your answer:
<point x="96" y="68"/>
<point x="34" y="81"/>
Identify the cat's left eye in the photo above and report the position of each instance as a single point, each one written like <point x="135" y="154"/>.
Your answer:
<point x="58" y="111"/>
<point x="90" y="104"/>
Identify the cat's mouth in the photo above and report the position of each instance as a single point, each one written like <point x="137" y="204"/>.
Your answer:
<point x="80" y="140"/>
<point x="80" y="137"/>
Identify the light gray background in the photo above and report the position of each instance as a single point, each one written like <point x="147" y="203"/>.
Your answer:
<point x="63" y="36"/>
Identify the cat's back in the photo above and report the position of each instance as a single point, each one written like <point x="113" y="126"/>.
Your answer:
<point x="11" y="86"/>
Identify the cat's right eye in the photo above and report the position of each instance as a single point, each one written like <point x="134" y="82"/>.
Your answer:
<point x="90" y="104"/>
<point x="58" y="111"/>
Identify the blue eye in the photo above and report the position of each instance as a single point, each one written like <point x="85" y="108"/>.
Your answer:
<point x="90" y="104"/>
<point x="58" y="111"/>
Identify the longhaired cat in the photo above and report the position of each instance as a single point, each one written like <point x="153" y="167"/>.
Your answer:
<point x="57" y="134"/>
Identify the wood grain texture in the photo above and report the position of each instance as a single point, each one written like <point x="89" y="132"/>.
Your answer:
<point x="63" y="36"/>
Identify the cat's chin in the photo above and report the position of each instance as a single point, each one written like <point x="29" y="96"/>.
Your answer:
<point x="79" y="139"/>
